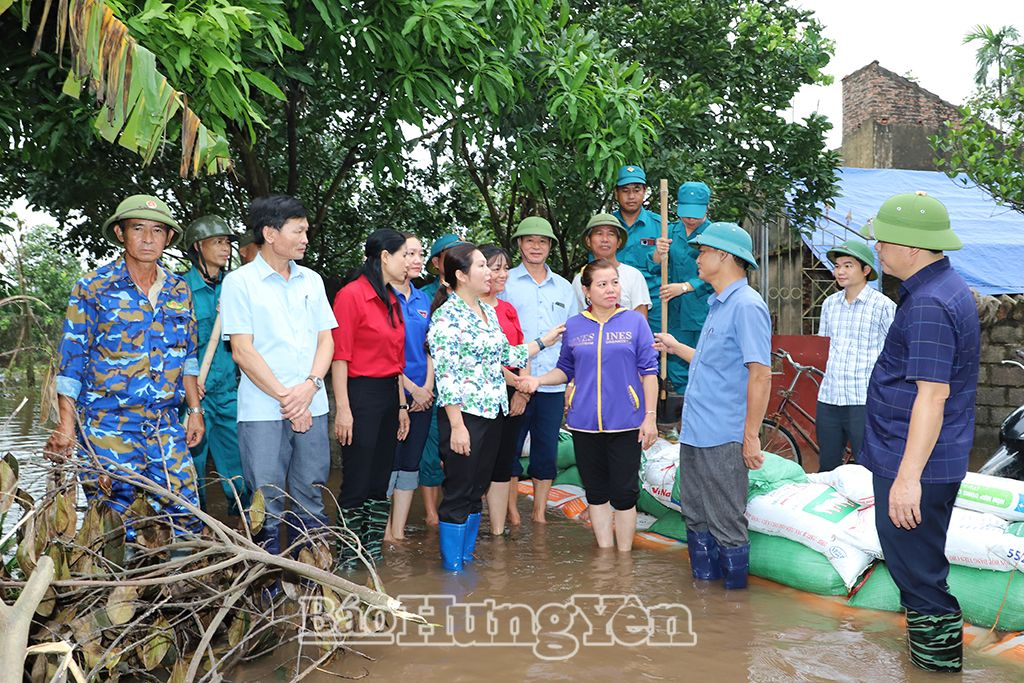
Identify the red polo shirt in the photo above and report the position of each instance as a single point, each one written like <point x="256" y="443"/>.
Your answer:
<point x="364" y="337"/>
<point x="508" y="320"/>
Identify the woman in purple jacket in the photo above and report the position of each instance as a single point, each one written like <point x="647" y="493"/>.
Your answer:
<point x="608" y="353"/>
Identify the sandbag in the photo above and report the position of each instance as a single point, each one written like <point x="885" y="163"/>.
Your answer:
<point x="671" y="525"/>
<point x="853" y="481"/>
<point x="790" y="563"/>
<point x="980" y="592"/>
<point x="566" y="454"/>
<point x="569" y="476"/>
<point x="659" y="476"/>
<point x="974" y="539"/>
<point x="775" y="472"/>
<point x="1000" y="496"/>
<point x="649" y="504"/>
<point x="813" y="515"/>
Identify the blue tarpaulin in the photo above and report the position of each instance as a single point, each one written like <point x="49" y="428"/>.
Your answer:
<point x="992" y="260"/>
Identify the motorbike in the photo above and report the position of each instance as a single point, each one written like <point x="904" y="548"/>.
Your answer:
<point x="1008" y="459"/>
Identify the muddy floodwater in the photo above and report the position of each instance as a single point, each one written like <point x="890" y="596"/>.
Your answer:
<point x="544" y="604"/>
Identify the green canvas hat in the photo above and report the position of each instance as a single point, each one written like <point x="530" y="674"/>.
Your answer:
<point x="146" y="207"/>
<point x="914" y="220"/>
<point x="534" y="225"/>
<point x="730" y="238"/>
<point x="857" y="250"/>
<point x="692" y="200"/>
<point x="600" y="220"/>
<point x="206" y="227"/>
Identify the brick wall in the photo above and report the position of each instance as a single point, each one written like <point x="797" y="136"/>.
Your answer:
<point x="1000" y="387"/>
<point x="874" y="93"/>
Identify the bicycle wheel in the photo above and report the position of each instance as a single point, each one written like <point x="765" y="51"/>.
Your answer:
<point x="778" y="440"/>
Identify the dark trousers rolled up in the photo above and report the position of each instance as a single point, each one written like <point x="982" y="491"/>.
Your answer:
<point x="916" y="559"/>
<point x="466" y="478"/>
<point x="366" y="463"/>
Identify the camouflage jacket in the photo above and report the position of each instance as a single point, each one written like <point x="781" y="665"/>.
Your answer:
<point x="121" y="361"/>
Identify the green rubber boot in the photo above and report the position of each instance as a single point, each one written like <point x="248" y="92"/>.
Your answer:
<point x="376" y="523"/>
<point x="936" y="642"/>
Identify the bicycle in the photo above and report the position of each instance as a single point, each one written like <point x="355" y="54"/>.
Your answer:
<point x="775" y="438"/>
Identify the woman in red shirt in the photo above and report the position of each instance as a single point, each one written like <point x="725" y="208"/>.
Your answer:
<point x="369" y="355"/>
<point x="501" y="499"/>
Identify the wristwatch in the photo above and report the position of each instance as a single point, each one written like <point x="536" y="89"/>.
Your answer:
<point x="540" y="344"/>
<point x="403" y="406"/>
<point x="317" y="382"/>
<point x="193" y="411"/>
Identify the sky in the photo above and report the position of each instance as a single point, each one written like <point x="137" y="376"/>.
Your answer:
<point x="921" y="38"/>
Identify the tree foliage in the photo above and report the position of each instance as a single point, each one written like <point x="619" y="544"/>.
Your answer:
<point x="447" y="114"/>
<point x="987" y="143"/>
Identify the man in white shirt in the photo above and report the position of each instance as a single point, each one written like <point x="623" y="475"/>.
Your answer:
<point x="603" y="237"/>
<point x="856" y="320"/>
<point x="277" y="317"/>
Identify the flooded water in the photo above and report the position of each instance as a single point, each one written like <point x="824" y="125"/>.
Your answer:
<point x="766" y="633"/>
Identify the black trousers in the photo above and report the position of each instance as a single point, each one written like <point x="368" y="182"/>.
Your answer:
<point x="609" y="465"/>
<point x="466" y="478"/>
<point x="507" y="442"/>
<point x="366" y="463"/>
<point x="916" y="557"/>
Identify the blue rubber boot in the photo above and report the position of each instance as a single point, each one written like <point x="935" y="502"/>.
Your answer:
<point x="452" y="538"/>
<point x="735" y="563"/>
<point x="472" y="530"/>
<point x="704" y="560"/>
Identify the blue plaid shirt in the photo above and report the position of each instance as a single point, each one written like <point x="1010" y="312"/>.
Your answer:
<point x="935" y="337"/>
<point x="856" y="333"/>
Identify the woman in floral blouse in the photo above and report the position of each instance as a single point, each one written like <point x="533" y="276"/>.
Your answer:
<point x="469" y="350"/>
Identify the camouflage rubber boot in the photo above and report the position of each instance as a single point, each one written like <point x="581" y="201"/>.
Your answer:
<point x="354" y="519"/>
<point x="936" y="642"/>
<point x="376" y="523"/>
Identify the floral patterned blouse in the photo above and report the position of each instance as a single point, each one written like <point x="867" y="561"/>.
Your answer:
<point x="468" y="354"/>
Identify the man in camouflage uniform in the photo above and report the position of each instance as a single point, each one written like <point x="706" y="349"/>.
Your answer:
<point x="127" y="360"/>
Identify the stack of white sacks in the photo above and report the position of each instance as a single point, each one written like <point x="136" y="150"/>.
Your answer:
<point x="833" y="513"/>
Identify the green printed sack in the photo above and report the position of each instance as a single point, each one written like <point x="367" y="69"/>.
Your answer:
<point x="792" y="564"/>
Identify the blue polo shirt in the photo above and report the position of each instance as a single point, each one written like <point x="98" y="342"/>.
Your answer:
<point x="738" y="330"/>
<point x="935" y="336"/>
<point x="541" y="307"/>
<point x="416" y="314"/>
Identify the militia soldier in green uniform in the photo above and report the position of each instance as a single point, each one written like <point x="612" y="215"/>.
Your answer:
<point x="209" y="249"/>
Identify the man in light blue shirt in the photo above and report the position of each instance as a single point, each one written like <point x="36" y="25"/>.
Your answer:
<point x="276" y="315"/>
<point x="542" y="299"/>
<point x="729" y="384"/>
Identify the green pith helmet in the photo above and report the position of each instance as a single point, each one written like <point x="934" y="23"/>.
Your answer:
<point x="245" y="238"/>
<point x="730" y="238"/>
<point x="206" y="227"/>
<point x="914" y="220"/>
<point x="600" y="220"/>
<point x="146" y="207"/>
<point x="534" y="225"/>
<point x="857" y="250"/>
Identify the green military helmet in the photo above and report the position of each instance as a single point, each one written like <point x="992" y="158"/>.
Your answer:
<point x="857" y="250"/>
<point x="206" y="227"/>
<point x="913" y="219"/>
<point x="600" y="220"/>
<point x="146" y="207"/>
<point x="730" y="238"/>
<point x="534" y="225"/>
<point x="245" y="238"/>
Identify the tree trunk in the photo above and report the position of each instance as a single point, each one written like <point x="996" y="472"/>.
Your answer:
<point x="16" y="620"/>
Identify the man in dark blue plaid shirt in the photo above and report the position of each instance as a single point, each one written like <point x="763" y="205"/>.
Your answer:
<point x="920" y="418"/>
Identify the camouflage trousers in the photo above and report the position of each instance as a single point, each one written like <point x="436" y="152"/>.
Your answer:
<point x="154" y="450"/>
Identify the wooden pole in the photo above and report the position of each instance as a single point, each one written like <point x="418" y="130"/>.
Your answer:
<point x="211" y="349"/>
<point x="664" y="281"/>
